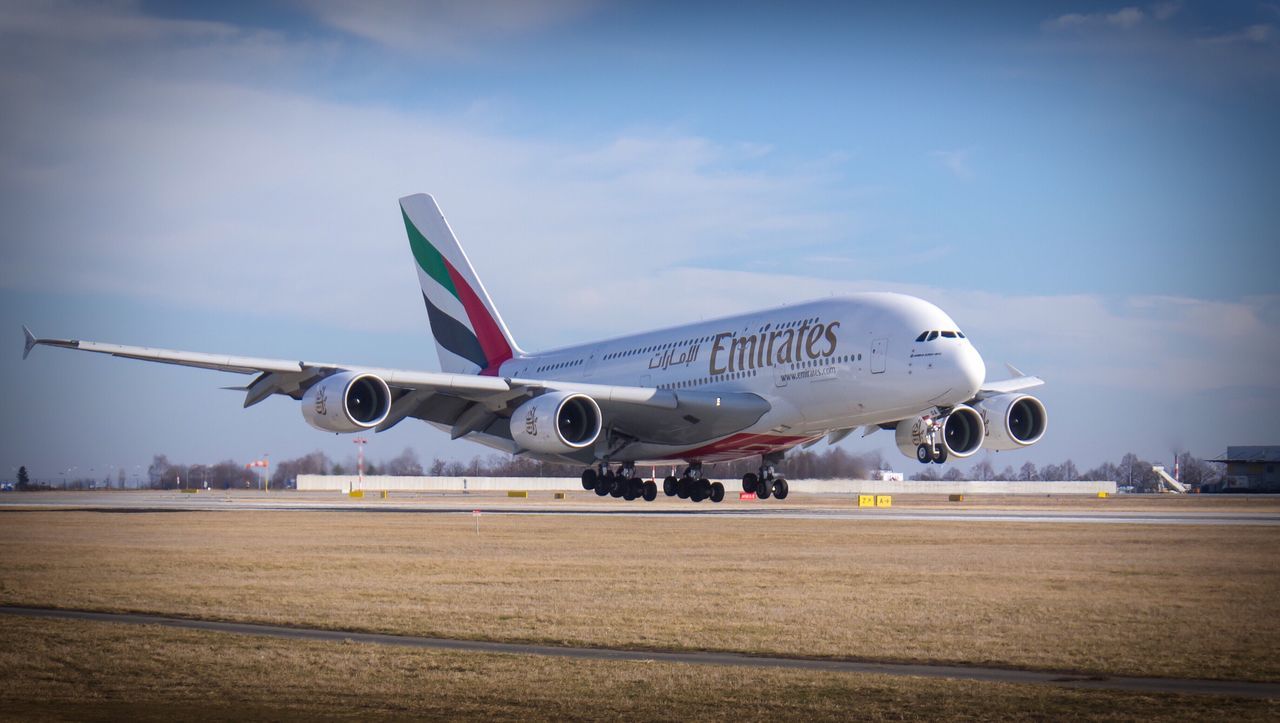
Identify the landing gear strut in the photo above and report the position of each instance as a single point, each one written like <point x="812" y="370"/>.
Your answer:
<point x="765" y="483"/>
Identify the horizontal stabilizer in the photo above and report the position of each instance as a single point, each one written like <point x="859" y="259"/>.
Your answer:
<point x="30" y="341"/>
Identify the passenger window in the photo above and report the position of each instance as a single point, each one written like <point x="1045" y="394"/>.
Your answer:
<point x="932" y="335"/>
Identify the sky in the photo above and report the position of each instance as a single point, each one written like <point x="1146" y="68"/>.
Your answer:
<point x="1088" y="188"/>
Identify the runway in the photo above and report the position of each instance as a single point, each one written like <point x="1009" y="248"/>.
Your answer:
<point x="1226" y="688"/>
<point x="816" y="507"/>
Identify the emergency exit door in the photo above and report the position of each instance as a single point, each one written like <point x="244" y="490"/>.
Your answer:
<point x="877" y="355"/>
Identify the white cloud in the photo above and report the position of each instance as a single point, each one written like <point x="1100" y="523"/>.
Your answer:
<point x="99" y="23"/>
<point x="1259" y="34"/>
<point x="1124" y="19"/>
<point x="957" y="162"/>
<point x="441" y="27"/>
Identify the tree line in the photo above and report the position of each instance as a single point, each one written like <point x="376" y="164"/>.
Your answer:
<point x="831" y="463"/>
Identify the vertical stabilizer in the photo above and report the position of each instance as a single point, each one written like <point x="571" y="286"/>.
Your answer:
<point x="470" y="335"/>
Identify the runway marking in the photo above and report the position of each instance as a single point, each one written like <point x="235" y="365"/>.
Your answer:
<point x="921" y="515"/>
<point x="1185" y="686"/>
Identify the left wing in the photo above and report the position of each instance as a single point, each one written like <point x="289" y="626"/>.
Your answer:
<point x="467" y="403"/>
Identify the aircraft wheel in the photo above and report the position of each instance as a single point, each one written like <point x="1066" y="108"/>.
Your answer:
<point x="602" y="489"/>
<point x="717" y="492"/>
<point x="923" y="455"/>
<point x="941" y="456"/>
<point x="669" y="486"/>
<point x="762" y="489"/>
<point x="696" y="495"/>
<point x="650" y="491"/>
<point x="682" y="489"/>
<point x="630" y="489"/>
<point x="781" y="488"/>
<point x="589" y="478"/>
<point x="618" y="487"/>
<point x="749" y="481"/>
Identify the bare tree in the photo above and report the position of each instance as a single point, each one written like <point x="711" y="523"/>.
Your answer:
<point x="982" y="470"/>
<point x="405" y="464"/>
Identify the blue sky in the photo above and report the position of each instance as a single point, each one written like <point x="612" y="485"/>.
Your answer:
<point x="1088" y="188"/>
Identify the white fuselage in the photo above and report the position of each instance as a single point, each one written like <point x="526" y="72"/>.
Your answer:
<point x="822" y="366"/>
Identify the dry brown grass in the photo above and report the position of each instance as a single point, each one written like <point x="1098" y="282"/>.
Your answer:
<point x="1136" y="600"/>
<point x="74" y="670"/>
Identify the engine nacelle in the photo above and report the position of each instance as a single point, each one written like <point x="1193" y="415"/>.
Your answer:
<point x="960" y="433"/>
<point x="347" y="402"/>
<point x="556" y="423"/>
<point x="1013" y="421"/>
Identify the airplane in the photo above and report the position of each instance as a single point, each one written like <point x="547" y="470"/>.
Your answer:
<point x="759" y="383"/>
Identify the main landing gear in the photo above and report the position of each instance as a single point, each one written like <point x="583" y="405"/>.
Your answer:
<point x="625" y="484"/>
<point x="693" y="486"/>
<point x="765" y="483"/>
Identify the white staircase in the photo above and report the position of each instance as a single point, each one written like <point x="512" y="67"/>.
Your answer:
<point x="1169" y="484"/>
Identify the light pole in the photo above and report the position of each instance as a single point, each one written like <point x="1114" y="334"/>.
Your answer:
<point x="360" y="442"/>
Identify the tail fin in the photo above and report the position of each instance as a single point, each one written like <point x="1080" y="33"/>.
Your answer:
<point x="469" y="333"/>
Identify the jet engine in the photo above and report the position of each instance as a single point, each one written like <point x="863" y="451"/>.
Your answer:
<point x="556" y="423"/>
<point x="347" y="402"/>
<point x="959" y="434"/>
<point x="1013" y="421"/>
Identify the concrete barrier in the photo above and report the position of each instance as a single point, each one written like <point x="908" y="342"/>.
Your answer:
<point x="312" y="482"/>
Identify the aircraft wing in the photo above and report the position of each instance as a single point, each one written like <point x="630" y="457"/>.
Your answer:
<point x="1019" y="382"/>
<point x="468" y="403"/>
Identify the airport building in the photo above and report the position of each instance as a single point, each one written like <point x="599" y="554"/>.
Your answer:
<point x="1252" y="468"/>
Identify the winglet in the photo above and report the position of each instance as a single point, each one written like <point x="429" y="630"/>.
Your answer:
<point x="1015" y="371"/>
<point x="30" y="341"/>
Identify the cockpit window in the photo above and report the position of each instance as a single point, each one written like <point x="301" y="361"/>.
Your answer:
<point x="932" y="335"/>
<point x="949" y="334"/>
<point x="960" y="334"/>
<point x="923" y="334"/>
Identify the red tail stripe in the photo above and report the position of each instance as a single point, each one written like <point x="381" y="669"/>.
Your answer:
<point x="495" y="346"/>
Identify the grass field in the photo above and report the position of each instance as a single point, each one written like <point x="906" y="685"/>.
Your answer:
<point x="1180" y="601"/>
<point x="70" y="670"/>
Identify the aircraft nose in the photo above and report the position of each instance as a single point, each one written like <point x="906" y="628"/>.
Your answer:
<point x="971" y="370"/>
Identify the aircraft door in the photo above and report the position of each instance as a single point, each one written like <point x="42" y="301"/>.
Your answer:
<point x="878" y="348"/>
<point x="590" y="366"/>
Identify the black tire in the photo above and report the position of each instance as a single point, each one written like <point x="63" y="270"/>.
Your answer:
<point x="669" y="486"/>
<point x="696" y="495"/>
<point x="762" y="489"/>
<point x="923" y="455"/>
<point x="650" y="491"/>
<point x="717" y="492"/>
<point x="749" y="481"/>
<point x="682" y="488"/>
<point x="941" y="456"/>
<point x="589" y="477"/>
<point x="630" y="489"/>
<point x="781" y="489"/>
<point x="602" y="489"/>
<point x="617" y="486"/>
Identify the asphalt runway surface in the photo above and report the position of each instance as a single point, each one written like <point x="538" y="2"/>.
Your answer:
<point x="1185" y="686"/>
<point x="817" y="507"/>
